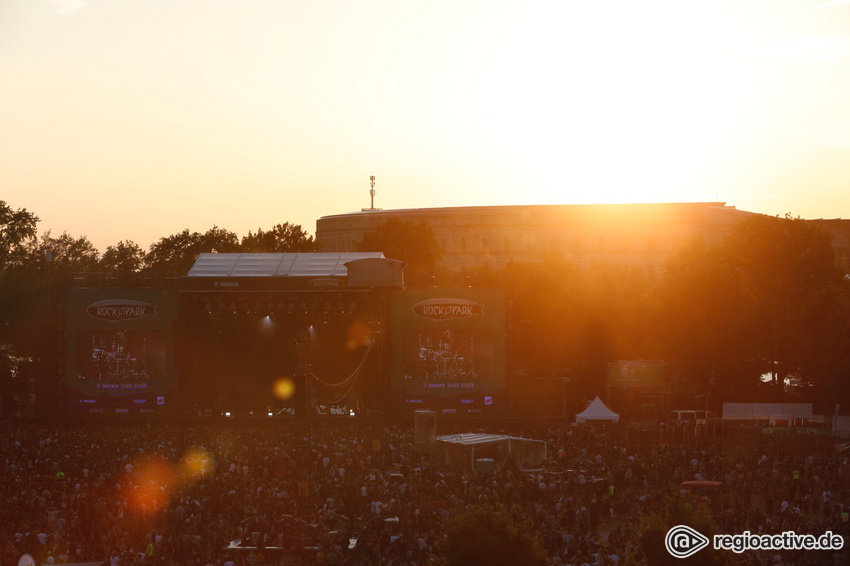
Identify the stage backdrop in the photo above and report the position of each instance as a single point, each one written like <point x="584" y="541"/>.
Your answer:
<point x="449" y="351"/>
<point x="119" y="351"/>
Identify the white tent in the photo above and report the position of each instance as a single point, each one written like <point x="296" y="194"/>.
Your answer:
<point x="597" y="411"/>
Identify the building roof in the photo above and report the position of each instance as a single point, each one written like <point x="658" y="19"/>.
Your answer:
<point x="276" y="264"/>
<point x="575" y="211"/>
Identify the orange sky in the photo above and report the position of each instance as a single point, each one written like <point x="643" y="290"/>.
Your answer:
<point x="128" y="119"/>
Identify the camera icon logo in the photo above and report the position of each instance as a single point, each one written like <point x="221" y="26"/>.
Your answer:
<point x="683" y="541"/>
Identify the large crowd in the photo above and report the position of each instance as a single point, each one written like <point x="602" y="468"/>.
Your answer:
<point x="234" y="493"/>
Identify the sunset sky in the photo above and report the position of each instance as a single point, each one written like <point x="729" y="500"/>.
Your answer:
<point x="136" y="119"/>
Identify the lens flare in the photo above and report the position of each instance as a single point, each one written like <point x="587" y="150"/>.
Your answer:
<point x="358" y="335"/>
<point x="197" y="464"/>
<point x="283" y="388"/>
<point x="148" y="489"/>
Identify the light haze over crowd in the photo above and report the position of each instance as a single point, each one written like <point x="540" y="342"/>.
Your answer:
<point x="136" y="119"/>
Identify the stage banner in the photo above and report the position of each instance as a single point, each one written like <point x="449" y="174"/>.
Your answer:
<point x="449" y="351"/>
<point x="119" y="351"/>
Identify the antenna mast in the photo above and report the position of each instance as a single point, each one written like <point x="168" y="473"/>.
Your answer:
<point x="372" y="193"/>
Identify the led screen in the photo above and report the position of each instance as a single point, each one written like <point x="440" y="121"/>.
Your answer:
<point x="449" y="351"/>
<point x="119" y="352"/>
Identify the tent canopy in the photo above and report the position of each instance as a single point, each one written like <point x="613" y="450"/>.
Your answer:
<point x="462" y="450"/>
<point x="474" y="439"/>
<point x="597" y="411"/>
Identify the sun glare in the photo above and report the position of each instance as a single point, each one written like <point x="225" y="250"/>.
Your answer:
<point x="455" y="104"/>
<point x="640" y="103"/>
<point x="628" y="104"/>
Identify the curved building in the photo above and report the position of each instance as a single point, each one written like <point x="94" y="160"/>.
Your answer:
<point x="474" y="237"/>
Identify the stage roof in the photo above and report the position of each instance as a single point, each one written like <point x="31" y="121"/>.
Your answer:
<point x="276" y="265"/>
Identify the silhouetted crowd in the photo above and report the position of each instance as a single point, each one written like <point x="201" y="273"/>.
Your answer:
<point x="237" y="493"/>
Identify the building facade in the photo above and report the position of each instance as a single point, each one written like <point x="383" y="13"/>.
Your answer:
<point x="470" y="238"/>
<point x="639" y="235"/>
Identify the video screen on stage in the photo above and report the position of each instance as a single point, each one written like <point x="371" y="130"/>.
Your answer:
<point x="118" y="352"/>
<point x="449" y="352"/>
<point x="452" y="369"/>
<point x="121" y="369"/>
<point x="120" y="356"/>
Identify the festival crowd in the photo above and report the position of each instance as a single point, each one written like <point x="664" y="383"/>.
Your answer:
<point x="237" y="493"/>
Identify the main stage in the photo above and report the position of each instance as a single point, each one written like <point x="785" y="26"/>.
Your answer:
<point x="285" y="334"/>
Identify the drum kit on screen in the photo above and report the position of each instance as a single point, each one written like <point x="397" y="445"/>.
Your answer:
<point x="438" y="359"/>
<point x="113" y="361"/>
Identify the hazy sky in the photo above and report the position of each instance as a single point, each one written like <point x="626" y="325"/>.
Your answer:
<point x="136" y="119"/>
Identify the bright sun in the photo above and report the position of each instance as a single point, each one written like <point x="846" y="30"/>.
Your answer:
<point x="620" y="105"/>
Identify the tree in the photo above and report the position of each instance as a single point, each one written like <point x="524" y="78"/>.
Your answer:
<point x="31" y="281"/>
<point x="17" y="236"/>
<point x="492" y="536"/>
<point x="281" y="238"/>
<point x="678" y="509"/>
<point x="17" y="227"/>
<point x="126" y="256"/>
<point x="698" y="319"/>
<point x="33" y="331"/>
<point x="572" y="322"/>
<point x="769" y="298"/>
<point x="832" y="369"/>
<point x="411" y="242"/>
<point x="790" y="283"/>
<point x="545" y="306"/>
<point x="178" y="252"/>
<point x="17" y="233"/>
<point x="69" y="254"/>
<point x="613" y="301"/>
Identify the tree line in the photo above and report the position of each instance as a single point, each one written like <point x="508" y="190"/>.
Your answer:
<point x="734" y="321"/>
